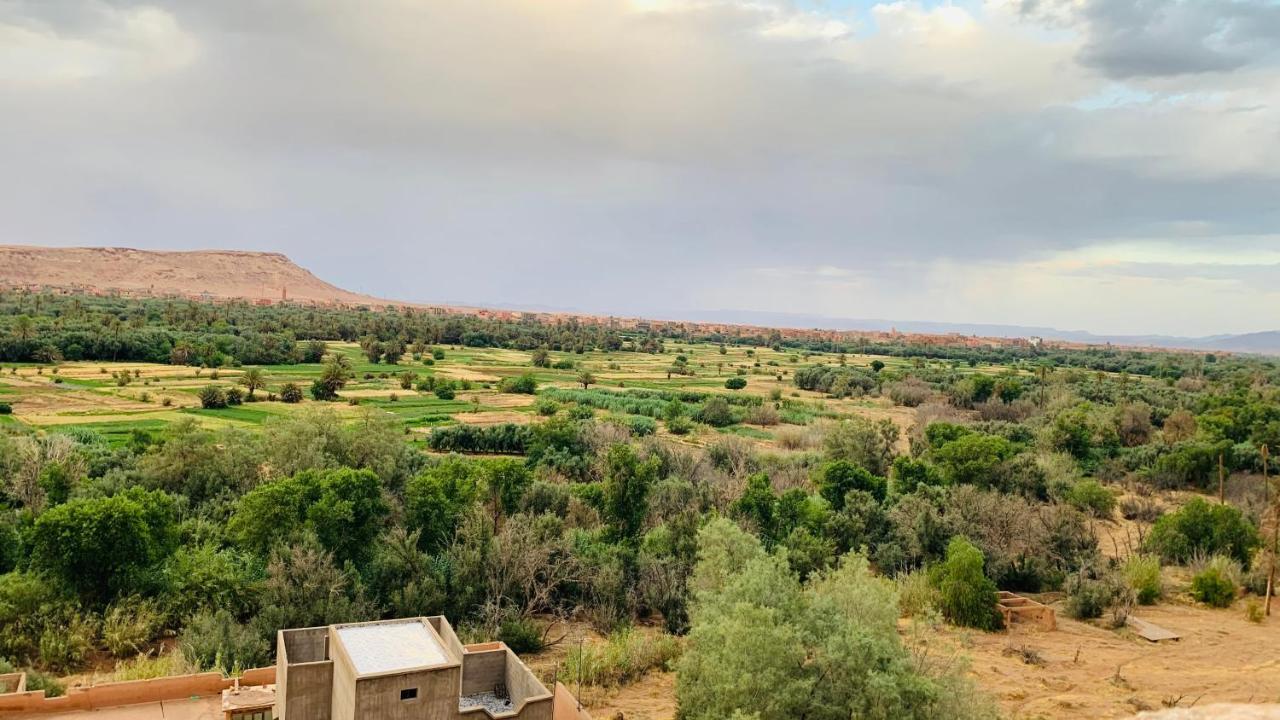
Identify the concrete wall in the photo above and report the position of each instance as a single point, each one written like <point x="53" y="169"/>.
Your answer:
<point x="378" y="698"/>
<point x="306" y="644"/>
<point x="343" y="705"/>
<point x="308" y="694"/>
<point x="304" y="675"/>
<point x="133" y="692"/>
<point x="566" y="706"/>
<point x="482" y="671"/>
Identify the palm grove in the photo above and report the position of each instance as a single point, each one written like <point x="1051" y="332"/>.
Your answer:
<point x="782" y="573"/>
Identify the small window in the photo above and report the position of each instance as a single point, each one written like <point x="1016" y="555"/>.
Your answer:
<point x="409" y="694"/>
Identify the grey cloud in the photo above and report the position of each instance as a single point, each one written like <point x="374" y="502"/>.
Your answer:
<point x="1160" y="38"/>
<point x="571" y="153"/>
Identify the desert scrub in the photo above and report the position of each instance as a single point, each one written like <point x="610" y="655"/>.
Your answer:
<point x="1088" y="598"/>
<point x="916" y="597"/>
<point x="1215" y="581"/>
<point x="1142" y="573"/>
<point x="625" y="657"/>
<point x="1090" y="497"/>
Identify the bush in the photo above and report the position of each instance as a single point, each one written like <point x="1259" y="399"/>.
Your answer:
<point x="641" y="426"/>
<point x="521" y="635"/>
<point x="763" y="415"/>
<point x="291" y="393"/>
<point x="215" y="641"/>
<point x="213" y="397"/>
<point x="625" y="657"/>
<point x="65" y="646"/>
<point x="916" y="596"/>
<point x="716" y="413"/>
<point x="735" y="383"/>
<point x="1201" y="527"/>
<point x="521" y="385"/>
<point x="444" y="391"/>
<point x="235" y="395"/>
<point x="1212" y="587"/>
<point x="37" y="680"/>
<point x="6" y="408"/>
<point x="1090" y="497"/>
<point x="679" y="425"/>
<point x="546" y="407"/>
<point x="1142" y="573"/>
<point x="1253" y="611"/>
<point x="129" y="624"/>
<point x="1088" y="598"/>
<point x="965" y="596"/>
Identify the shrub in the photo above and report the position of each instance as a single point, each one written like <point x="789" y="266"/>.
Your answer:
<point x="213" y="397"/>
<point x="129" y="624"/>
<point x="215" y="641"/>
<point x="626" y="656"/>
<point x="522" y="385"/>
<point x="1212" y="587"/>
<point x="640" y="426"/>
<point x="444" y="391"/>
<point x="716" y="413"/>
<point x="37" y="680"/>
<point x="1140" y="508"/>
<point x="1090" y="497"/>
<point x="546" y="407"/>
<point x="1201" y="527"/>
<point x="916" y="596"/>
<point x="679" y="425"/>
<point x="291" y="393"/>
<point x="1253" y="611"/>
<point x="1088" y="598"/>
<point x="910" y="392"/>
<point x="965" y="596"/>
<point x="6" y="408"/>
<point x="735" y="383"/>
<point x="521" y="635"/>
<point x="763" y="415"/>
<point x="1142" y="573"/>
<point x="234" y="395"/>
<point x="65" y="646"/>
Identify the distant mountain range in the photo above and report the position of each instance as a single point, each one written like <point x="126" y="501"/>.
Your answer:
<point x="269" y="277"/>
<point x="1267" y="342"/>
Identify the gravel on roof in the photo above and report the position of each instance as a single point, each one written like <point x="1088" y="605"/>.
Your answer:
<point x="486" y="700"/>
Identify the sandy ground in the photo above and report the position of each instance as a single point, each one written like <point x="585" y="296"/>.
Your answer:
<point x="1090" y="672"/>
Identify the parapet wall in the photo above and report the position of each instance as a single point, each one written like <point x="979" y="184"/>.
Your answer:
<point x="133" y="692"/>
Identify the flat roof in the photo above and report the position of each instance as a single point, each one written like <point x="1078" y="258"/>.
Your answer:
<point x="389" y="646"/>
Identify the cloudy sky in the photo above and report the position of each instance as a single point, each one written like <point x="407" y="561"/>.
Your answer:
<point x="1110" y="165"/>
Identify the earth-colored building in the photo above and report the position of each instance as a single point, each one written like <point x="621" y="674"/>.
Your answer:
<point x="408" y="669"/>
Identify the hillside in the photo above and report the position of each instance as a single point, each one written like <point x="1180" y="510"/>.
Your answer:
<point x="214" y="274"/>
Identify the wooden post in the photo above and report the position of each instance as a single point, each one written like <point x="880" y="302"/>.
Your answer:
<point x="1222" y="498"/>
<point x="1275" y="528"/>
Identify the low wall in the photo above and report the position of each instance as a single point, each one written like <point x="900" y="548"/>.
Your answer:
<point x="132" y="692"/>
<point x="566" y="707"/>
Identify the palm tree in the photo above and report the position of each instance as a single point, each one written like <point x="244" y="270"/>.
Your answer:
<point x="253" y="379"/>
<point x="23" y="327"/>
<point x="586" y="378"/>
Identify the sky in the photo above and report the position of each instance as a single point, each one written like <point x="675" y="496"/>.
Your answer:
<point x="1105" y="165"/>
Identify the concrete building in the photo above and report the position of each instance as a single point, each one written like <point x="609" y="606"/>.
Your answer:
<point x="409" y="669"/>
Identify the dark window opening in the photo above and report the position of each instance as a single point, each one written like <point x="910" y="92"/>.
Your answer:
<point x="409" y="693"/>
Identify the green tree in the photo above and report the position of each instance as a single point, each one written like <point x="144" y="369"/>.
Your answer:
<point x="100" y="546"/>
<point x="965" y="595"/>
<point x="626" y="490"/>
<point x="864" y="442"/>
<point x="253" y="379"/>
<point x="1200" y="527"/>
<point x="586" y="378"/>
<point x="841" y="476"/>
